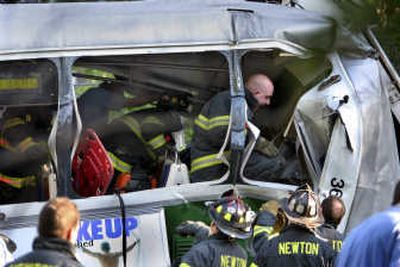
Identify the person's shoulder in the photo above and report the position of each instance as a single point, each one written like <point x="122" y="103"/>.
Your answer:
<point x="265" y="218"/>
<point x="202" y="245"/>
<point x="26" y="258"/>
<point x="46" y="258"/>
<point x="72" y="263"/>
<point x="329" y="233"/>
<point x="380" y="221"/>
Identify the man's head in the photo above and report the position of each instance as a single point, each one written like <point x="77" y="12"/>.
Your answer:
<point x="261" y="87"/>
<point x="333" y="210"/>
<point x="59" y="218"/>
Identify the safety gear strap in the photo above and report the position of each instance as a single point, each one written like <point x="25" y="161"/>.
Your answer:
<point x="119" y="164"/>
<point x="157" y="142"/>
<point x="208" y="124"/>
<point x="18" y="182"/>
<point x="184" y="264"/>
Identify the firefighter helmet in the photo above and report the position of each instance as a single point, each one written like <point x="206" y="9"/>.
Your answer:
<point x="303" y="207"/>
<point x="232" y="217"/>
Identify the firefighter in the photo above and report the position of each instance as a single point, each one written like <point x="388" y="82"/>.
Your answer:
<point x="333" y="210"/>
<point x="23" y="153"/>
<point x="134" y="133"/>
<point x="232" y="220"/>
<point x="211" y="129"/>
<point x="298" y="244"/>
<point x="136" y="144"/>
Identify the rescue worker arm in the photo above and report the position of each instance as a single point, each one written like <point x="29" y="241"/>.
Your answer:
<point x="262" y="229"/>
<point x="35" y="155"/>
<point x="214" y="129"/>
<point x="155" y="125"/>
<point x="38" y="152"/>
<point x="198" y="229"/>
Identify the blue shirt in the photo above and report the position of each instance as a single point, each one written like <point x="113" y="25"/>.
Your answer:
<point x="375" y="242"/>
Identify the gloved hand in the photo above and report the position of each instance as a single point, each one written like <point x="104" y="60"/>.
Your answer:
<point x="198" y="229"/>
<point x="271" y="205"/>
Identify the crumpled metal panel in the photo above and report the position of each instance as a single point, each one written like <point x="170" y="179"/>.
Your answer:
<point x="314" y="125"/>
<point x="353" y="148"/>
<point x="343" y="159"/>
<point x="379" y="169"/>
<point x="287" y="24"/>
<point x="69" y="27"/>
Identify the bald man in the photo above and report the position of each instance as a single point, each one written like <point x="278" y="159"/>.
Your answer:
<point x="211" y="128"/>
<point x="261" y="88"/>
<point x="333" y="210"/>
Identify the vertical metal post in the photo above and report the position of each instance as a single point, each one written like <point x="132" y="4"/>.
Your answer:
<point x="238" y="113"/>
<point x="63" y="130"/>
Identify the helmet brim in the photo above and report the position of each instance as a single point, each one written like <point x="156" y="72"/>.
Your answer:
<point x="229" y="230"/>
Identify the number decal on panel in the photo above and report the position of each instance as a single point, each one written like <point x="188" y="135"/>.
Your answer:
<point x="337" y="185"/>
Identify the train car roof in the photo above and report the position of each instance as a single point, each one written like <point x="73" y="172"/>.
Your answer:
<point x="67" y="29"/>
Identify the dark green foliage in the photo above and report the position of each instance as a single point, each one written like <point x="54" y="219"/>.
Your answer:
<point x="358" y="15"/>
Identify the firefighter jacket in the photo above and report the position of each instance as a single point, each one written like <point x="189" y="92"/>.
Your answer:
<point x="263" y="228"/>
<point x="329" y="232"/>
<point x="23" y="150"/>
<point x="136" y="142"/>
<point x="48" y="252"/>
<point x="209" y="134"/>
<point x="295" y="246"/>
<point x="95" y="104"/>
<point x="134" y="136"/>
<point x="210" y="131"/>
<point x="217" y="251"/>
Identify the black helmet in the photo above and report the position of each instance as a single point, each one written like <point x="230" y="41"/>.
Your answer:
<point x="232" y="217"/>
<point x="303" y="207"/>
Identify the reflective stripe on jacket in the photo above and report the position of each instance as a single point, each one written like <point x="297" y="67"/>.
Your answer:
<point x="18" y="182"/>
<point x="210" y="130"/>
